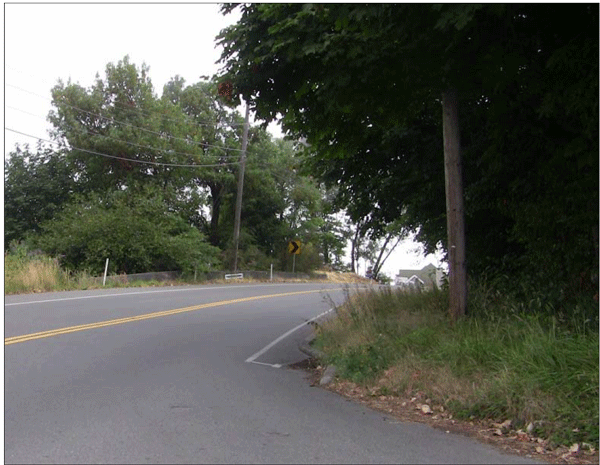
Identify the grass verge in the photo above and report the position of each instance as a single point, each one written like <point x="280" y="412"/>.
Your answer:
<point x="38" y="274"/>
<point x="526" y="368"/>
<point x="28" y="274"/>
<point x="25" y="274"/>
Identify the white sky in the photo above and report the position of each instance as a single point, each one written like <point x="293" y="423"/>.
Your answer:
<point x="46" y="42"/>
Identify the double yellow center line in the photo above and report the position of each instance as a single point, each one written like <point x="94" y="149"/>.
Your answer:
<point x="147" y="316"/>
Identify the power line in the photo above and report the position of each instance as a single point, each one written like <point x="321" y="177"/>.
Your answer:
<point x="174" y="165"/>
<point x="112" y="120"/>
<point x="90" y="131"/>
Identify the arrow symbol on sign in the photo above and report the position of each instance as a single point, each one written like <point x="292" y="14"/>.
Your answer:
<point x="293" y="247"/>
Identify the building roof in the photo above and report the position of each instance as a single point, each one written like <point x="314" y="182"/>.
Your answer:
<point x="426" y="274"/>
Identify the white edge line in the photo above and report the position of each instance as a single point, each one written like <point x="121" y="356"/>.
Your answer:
<point x="138" y="293"/>
<point x="272" y="365"/>
<point x="283" y="336"/>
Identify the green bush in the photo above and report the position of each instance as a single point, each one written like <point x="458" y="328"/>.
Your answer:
<point x="136" y="234"/>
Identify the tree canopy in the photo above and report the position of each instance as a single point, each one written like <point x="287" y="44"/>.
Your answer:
<point x="362" y="84"/>
<point x="129" y="158"/>
<point x="37" y="183"/>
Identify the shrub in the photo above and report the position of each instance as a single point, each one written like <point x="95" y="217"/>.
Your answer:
<point x="137" y="234"/>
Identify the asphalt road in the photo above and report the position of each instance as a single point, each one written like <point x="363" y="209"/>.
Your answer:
<point x="191" y="375"/>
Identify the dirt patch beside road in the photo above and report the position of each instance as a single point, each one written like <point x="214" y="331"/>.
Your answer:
<point x="350" y="278"/>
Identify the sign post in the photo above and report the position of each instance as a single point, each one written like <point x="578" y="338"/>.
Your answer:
<point x="294" y="249"/>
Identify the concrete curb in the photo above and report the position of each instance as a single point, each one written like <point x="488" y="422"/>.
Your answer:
<point x="329" y="372"/>
<point x="305" y="347"/>
<point x="328" y="375"/>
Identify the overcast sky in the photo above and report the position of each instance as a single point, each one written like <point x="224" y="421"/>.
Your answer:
<point x="48" y="42"/>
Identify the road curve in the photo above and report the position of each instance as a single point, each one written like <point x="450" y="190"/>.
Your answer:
<point x="193" y="374"/>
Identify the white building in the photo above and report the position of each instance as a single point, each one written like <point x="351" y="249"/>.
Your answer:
<point x="429" y="276"/>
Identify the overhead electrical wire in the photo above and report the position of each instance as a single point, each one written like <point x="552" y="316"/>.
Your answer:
<point x="169" y="136"/>
<point x="112" y="120"/>
<point x="263" y="164"/>
<point x="92" y="132"/>
<point x="173" y="165"/>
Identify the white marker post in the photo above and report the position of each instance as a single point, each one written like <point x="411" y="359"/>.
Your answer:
<point x="105" y="270"/>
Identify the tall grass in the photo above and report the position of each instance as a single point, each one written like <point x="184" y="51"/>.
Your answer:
<point x="527" y="367"/>
<point x="22" y="274"/>
<point x="40" y="273"/>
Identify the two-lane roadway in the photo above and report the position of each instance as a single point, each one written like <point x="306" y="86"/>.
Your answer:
<point x="193" y="374"/>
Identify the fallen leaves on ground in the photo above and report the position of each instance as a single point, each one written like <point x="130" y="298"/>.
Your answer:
<point x="418" y="408"/>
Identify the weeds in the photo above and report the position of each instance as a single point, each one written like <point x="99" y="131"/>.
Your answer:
<point x="24" y="274"/>
<point x="37" y="275"/>
<point x="494" y="364"/>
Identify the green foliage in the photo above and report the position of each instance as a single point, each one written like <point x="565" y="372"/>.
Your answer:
<point x="143" y="137"/>
<point x="333" y="233"/>
<point x="383" y="278"/>
<point x="121" y="116"/>
<point x="250" y="256"/>
<point x="495" y="365"/>
<point x="537" y="362"/>
<point x="111" y="117"/>
<point x="137" y="234"/>
<point x="309" y="259"/>
<point x="146" y="137"/>
<point x="36" y="186"/>
<point x="25" y="272"/>
<point x="196" y="107"/>
<point x="362" y="84"/>
<point x="362" y="363"/>
<point x="280" y="203"/>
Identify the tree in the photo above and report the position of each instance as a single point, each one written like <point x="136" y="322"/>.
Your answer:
<point x="36" y="187"/>
<point x="119" y="135"/>
<point x="333" y="232"/>
<point x="394" y="234"/>
<point x="119" y="141"/>
<point x="212" y="131"/>
<point x="118" y="116"/>
<point x="280" y="204"/>
<point x="308" y="96"/>
<point x="360" y="82"/>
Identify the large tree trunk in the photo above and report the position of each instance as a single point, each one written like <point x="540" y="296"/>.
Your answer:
<point x="457" y="276"/>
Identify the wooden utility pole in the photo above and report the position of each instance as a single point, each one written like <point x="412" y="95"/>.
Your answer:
<point x="240" y="190"/>
<point x="454" y="206"/>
